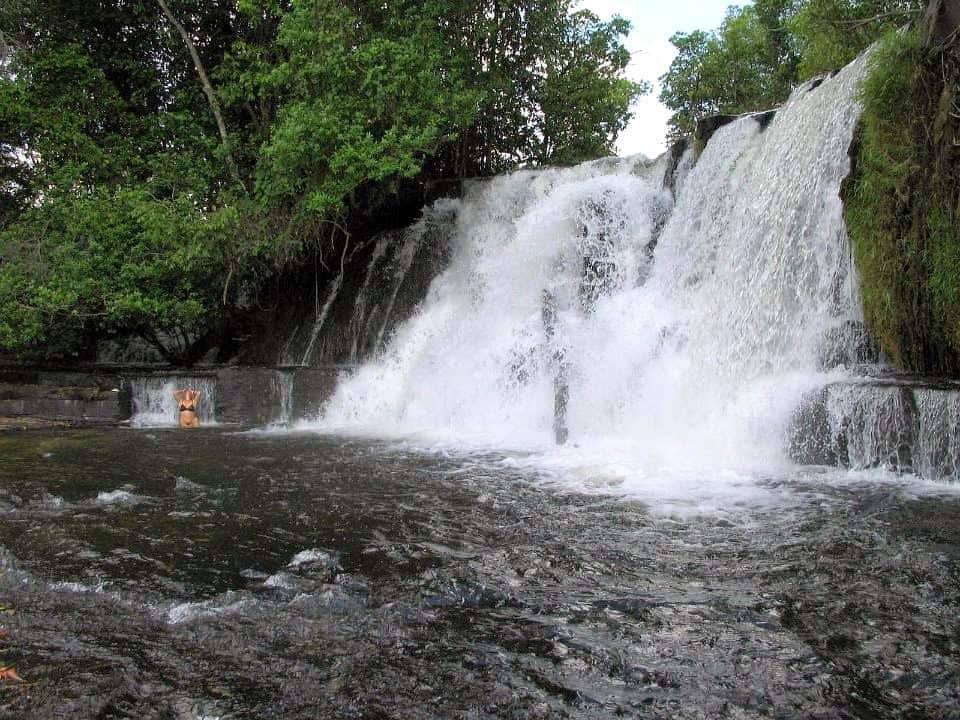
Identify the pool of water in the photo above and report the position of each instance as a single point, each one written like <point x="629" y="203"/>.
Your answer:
<point x="218" y="574"/>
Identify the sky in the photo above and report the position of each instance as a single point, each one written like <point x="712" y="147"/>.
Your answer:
<point x="654" y="21"/>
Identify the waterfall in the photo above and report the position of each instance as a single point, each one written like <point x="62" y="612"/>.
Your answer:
<point x="871" y="425"/>
<point x="282" y="390"/>
<point x="320" y="319"/>
<point x="153" y="403"/>
<point x="684" y="343"/>
<point x="937" y="450"/>
<point x="378" y="286"/>
<point x="902" y="424"/>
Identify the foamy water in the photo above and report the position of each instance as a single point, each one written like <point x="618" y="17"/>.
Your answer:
<point x="685" y="362"/>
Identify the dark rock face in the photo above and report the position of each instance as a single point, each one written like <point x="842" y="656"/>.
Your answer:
<point x="940" y="23"/>
<point x="281" y="328"/>
<point x="764" y="118"/>
<point x="902" y="423"/>
<point x="70" y="403"/>
<point x="848" y="345"/>
<point x="676" y="155"/>
<point x="707" y="126"/>
<point x="381" y="287"/>
<point x="312" y="387"/>
<point x="247" y="395"/>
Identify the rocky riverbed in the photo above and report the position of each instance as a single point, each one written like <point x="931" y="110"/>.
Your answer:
<point x="217" y="574"/>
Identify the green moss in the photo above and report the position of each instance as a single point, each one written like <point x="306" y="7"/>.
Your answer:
<point x="944" y="284"/>
<point x="900" y="211"/>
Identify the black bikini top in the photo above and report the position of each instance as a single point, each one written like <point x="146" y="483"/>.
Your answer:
<point x="188" y="408"/>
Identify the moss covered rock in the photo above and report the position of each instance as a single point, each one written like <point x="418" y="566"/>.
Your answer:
<point x="901" y="200"/>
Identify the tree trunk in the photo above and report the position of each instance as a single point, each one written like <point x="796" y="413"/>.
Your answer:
<point x="207" y="89"/>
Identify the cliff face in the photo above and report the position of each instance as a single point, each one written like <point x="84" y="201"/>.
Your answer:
<point x="901" y="201"/>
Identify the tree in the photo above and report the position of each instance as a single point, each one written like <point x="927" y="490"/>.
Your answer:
<point x="692" y="85"/>
<point x="761" y="51"/>
<point x="111" y="181"/>
<point x="207" y="88"/>
<point x="831" y="33"/>
<point x="550" y="80"/>
<point x="160" y="160"/>
<point x="355" y="103"/>
<point x="583" y="101"/>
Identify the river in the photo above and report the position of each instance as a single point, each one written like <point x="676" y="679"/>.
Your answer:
<point x="153" y="573"/>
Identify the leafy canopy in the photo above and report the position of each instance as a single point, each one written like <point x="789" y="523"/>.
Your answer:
<point x="160" y="159"/>
<point x="761" y="51"/>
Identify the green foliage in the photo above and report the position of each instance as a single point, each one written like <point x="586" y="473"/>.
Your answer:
<point x="901" y="212"/>
<point x="571" y="91"/>
<point x="106" y="260"/>
<point x="550" y="81"/>
<point x="832" y="33"/>
<point x="130" y="202"/>
<point x="355" y="106"/>
<point x="761" y="51"/>
<point x="745" y="65"/>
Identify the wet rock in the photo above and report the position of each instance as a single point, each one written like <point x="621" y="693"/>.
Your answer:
<point x="940" y="22"/>
<point x="677" y="151"/>
<point x="320" y="565"/>
<point x="858" y="425"/>
<point x="707" y="126"/>
<point x="442" y="590"/>
<point x="847" y="345"/>
<point x="809" y="438"/>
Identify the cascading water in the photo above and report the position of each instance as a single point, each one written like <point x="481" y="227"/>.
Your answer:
<point x="283" y="392"/>
<point x="937" y="450"/>
<point x="153" y="403"/>
<point x="377" y="286"/>
<point x="687" y="350"/>
<point x="904" y="424"/>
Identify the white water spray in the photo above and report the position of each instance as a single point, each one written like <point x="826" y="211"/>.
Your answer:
<point x="692" y="355"/>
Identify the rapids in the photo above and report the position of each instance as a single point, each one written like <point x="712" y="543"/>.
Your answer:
<point x="252" y="576"/>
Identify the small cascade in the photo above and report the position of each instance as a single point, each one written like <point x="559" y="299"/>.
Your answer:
<point x="396" y="279"/>
<point x="936" y="452"/>
<point x="904" y="425"/>
<point x="365" y="297"/>
<point x="871" y="426"/>
<point x="283" y="392"/>
<point x="153" y="404"/>
<point x="321" y="318"/>
<point x="378" y="287"/>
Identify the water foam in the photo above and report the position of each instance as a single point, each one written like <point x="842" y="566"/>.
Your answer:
<point x="686" y="347"/>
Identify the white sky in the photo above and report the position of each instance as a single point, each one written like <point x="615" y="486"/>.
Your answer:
<point x="654" y="21"/>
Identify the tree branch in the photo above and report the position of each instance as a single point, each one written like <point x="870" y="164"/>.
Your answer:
<point x="207" y="89"/>
<point x="854" y="24"/>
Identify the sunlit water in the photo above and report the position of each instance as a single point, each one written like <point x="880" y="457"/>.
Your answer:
<point x="207" y="574"/>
